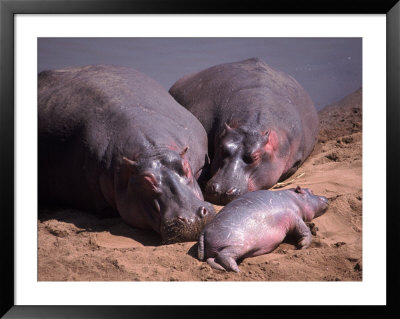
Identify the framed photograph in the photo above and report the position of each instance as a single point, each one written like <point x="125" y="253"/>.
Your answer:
<point x="71" y="264"/>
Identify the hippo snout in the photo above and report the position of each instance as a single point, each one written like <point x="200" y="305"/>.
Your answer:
<point x="323" y="206"/>
<point x="215" y="194"/>
<point x="202" y="213"/>
<point x="213" y="188"/>
<point x="233" y="192"/>
<point x="187" y="226"/>
<point x="325" y="201"/>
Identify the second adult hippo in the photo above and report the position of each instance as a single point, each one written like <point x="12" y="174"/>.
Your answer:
<point x="112" y="140"/>
<point x="261" y="125"/>
<point x="256" y="223"/>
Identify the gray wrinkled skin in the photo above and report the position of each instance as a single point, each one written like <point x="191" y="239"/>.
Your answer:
<point x="113" y="141"/>
<point x="261" y="125"/>
<point x="256" y="223"/>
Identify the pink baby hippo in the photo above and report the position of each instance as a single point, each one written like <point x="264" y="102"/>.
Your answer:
<point x="256" y="223"/>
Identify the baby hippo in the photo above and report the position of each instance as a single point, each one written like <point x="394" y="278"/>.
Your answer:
<point x="256" y="223"/>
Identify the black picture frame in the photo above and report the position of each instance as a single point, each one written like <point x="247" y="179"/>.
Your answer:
<point x="8" y="10"/>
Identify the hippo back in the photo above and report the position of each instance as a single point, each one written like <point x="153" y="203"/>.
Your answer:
<point x="113" y="140"/>
<point x="245" y="90"/>
<point x="104" y="101"/>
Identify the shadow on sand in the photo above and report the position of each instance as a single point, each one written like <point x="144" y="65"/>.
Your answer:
<point x="87" y="222"/>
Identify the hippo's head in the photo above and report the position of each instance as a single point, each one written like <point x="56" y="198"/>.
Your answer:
<point x="311" y="205"/>
<point x="165" y="193"/>
<point x="244" y="160"/>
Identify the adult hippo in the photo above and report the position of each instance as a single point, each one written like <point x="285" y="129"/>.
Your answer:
<point x="112" y="140"/>
<point x="261" y="125"/>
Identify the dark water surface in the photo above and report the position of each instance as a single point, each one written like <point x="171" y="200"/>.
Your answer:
<point x="328" y="68"/>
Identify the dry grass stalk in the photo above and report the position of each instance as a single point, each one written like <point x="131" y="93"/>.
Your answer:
<point x="283" y="184"/>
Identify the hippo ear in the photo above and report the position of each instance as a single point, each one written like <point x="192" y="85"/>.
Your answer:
<point x="227" y="129"/>
<point x="270" y="140"/>
<point x="132" y="165"/>
<point x="299" y="190"/>
<point x="184" y="151"/>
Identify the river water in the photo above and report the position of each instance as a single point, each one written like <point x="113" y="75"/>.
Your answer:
<point x="328" y="68"/>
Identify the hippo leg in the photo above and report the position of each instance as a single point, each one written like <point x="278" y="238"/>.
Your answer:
<point x="227" y="262"/>
<point x="303" y="232"/>
<point x="213" y="264"/>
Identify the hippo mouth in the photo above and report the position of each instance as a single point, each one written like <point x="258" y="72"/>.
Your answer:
<point x="181" y="230"/>
<point x="219" y="199"/>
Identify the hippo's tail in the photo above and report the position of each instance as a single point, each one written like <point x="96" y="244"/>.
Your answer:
<point x="200" y="249"/>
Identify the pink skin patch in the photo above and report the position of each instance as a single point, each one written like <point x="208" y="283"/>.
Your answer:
<point x="273" y="142"/>
<point x="173" y="147"/>
<point x="234" y="123"/>
<point x="151" y="182"/>
<point x="256" y="157"/>
<point x="308" y="212"/>
<point x="188" y="173"/>
<point x="251" y="186"/>
<point x="294" y="146"/>
<point x="187" y="170"/>
<point x="197" y="194"/>
<point x="270" y="148"/>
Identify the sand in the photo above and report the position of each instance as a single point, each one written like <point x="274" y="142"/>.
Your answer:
<point x="77" y="246"/>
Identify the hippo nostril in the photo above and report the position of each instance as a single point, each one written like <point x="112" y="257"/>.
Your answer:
<point x="232" y="191"/>
<point x="203" y="212"/>
<point x="182" y="219"/>
<point x="214" y="188"/>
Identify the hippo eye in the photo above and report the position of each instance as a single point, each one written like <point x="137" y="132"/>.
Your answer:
<point x="251" y="158"/>
<point x="299" y="190"/>
<point x="248" y="159"/>
<point x="225" y="153"/>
